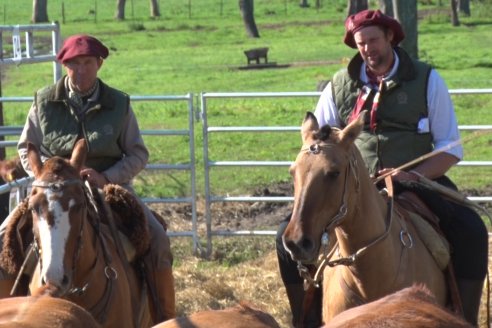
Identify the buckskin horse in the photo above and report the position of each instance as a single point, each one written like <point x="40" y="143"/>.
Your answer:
<point x="378" y="252"/>
<point x="43" y="311"/>
<point x="78" y="259"/>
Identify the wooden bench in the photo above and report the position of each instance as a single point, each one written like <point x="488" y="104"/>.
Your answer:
<point x="256" y="54"/>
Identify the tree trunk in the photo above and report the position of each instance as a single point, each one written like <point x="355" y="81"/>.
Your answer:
<point x="455" y="21"/>
<point x="354" y="6"/>
<point x="465" y="7"/>
<point x="405" y="11"/>
<point x="303" y="4"/>
<point x="154" y="8"/>
<point x="386" y="6"/>
<point x="120" y="9"/>
<point x="247" y="12"/>
<point x="39" y="11"/>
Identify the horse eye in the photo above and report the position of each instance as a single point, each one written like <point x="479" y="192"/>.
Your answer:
<point x="332" y="174"/>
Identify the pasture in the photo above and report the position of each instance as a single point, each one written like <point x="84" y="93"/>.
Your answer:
<point x="177" y="54"/>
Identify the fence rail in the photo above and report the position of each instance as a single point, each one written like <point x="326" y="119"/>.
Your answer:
<point x="208" y="164"/>
<point x="208" y="130"/>
<point x="21" y="185"/>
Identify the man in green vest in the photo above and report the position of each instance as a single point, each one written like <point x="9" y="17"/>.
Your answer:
<point x="410" y="114"/>
<point x="78" y="106"/>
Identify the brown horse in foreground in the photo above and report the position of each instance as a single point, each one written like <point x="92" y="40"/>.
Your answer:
<point x="378" y="252"/>
<point x="412" y="307"/>
<point x="239" y="316"/>
<point x="43" y="312"/>
<point x="78" y="259"/>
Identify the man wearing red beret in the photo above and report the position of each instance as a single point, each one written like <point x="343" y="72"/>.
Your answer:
<point x="80" y="104"/>
<point x="410" y="114"/>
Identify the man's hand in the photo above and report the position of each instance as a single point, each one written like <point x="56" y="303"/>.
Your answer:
<point x="399" y="175"/>
<point x="95" y="178"/>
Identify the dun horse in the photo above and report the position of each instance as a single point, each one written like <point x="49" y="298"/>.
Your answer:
<point x="78" y="259"/>
<point x="378" y="252"/>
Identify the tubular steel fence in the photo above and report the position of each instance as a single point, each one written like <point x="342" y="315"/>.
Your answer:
<point x="27" y="54"/>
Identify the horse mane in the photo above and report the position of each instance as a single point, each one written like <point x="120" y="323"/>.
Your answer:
<point x="15" y="239"/>
<point x="129" y="216"/>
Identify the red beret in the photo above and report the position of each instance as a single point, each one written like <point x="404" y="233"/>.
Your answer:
<point x="81" y="45"/>
<point x="368" y="18"/>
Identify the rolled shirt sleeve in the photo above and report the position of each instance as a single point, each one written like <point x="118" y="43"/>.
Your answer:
<point x="442" y="118"/>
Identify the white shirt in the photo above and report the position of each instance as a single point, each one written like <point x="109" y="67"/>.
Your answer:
<point x="441" y="123"/>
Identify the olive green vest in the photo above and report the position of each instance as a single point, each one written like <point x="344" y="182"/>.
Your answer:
<point x="100" y="126"/>
<point x="402" y="105"/>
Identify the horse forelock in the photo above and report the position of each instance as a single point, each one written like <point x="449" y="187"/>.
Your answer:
<point x="58" y="168"/>
<point x="322" y="134"/>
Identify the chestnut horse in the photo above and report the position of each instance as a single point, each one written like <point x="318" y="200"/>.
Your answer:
<point x="78" y="259"/>
<point x="242" y="315"/>
<point x="378" y="252"/>
<point x="412" y="307"/>
<point x="43" y="312"/>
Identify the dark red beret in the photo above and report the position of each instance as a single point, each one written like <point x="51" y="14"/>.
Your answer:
<point x="368" y="18"/>
<point x="81" y="45"/>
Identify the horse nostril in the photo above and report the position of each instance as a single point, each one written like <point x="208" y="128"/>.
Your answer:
<point x="65" y="280"/>
<point x="307" y="244"/>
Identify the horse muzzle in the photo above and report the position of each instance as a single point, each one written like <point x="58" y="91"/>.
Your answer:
<point x="303" y="249"/>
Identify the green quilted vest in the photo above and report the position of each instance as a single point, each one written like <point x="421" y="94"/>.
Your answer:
<point x="101" y="125"/>
<point x="402" y="105"/>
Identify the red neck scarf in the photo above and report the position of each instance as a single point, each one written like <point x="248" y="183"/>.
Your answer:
<point x="366" y="96"/>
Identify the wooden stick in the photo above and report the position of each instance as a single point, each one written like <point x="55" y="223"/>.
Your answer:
<point x="432" y="153"/>
<point x="419" y="159"/>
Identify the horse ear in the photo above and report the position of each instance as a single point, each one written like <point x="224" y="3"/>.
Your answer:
<point x="34" y="159"/>
<point x="309" y="125"/>
<point x="79" y="154"/>
<point x="352" y="131"/>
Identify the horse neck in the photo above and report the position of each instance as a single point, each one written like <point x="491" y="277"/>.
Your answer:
<point x="367" y="216"/>
<point x="90" y="248"/>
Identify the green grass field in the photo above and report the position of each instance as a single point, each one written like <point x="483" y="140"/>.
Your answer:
<point x="199" y="50"/>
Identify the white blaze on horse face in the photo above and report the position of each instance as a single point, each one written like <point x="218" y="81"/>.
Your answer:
<point x="53" y="238"/>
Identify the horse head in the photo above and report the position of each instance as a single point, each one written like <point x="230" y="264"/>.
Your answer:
<point x="58" y="206"/>
<point x="322" y="185"/>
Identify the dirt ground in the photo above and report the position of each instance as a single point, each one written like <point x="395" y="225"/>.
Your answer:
<point x="210" y="284"/>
